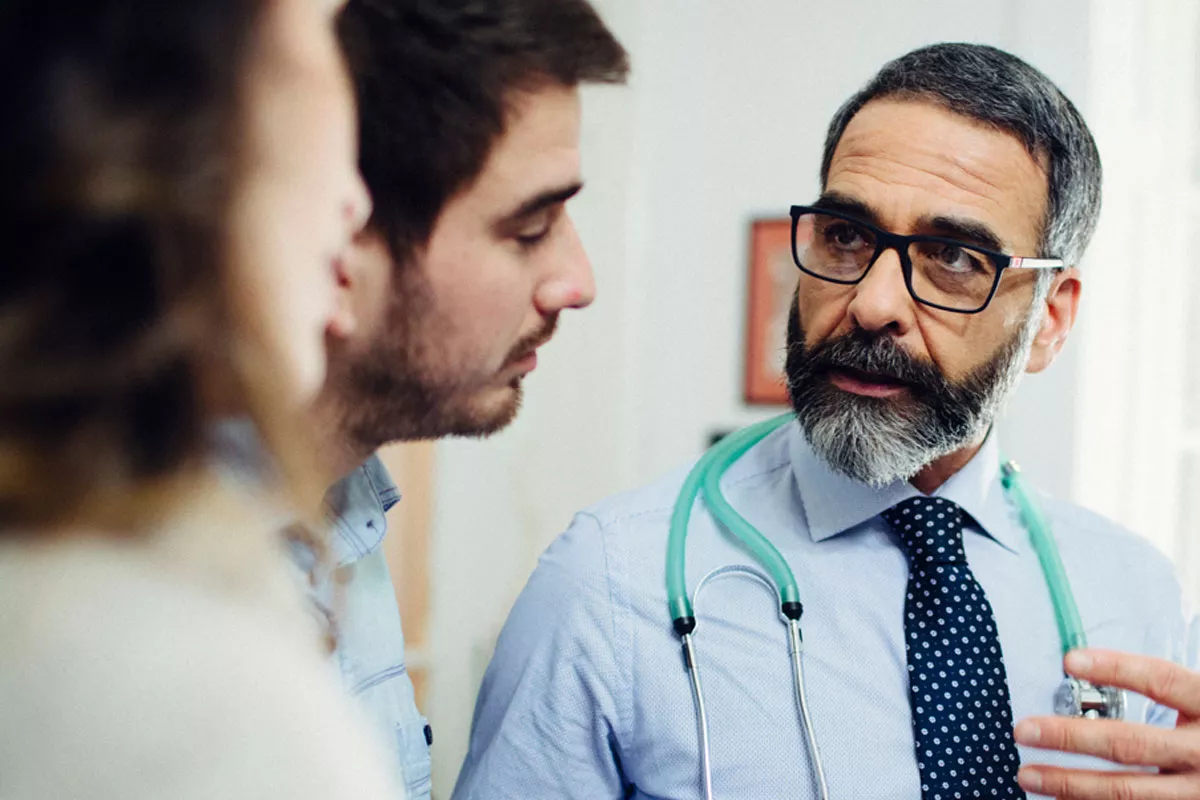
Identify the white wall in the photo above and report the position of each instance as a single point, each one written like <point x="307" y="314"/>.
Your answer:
<point x="723" y="121"/>
<point x="1137" y="409"/>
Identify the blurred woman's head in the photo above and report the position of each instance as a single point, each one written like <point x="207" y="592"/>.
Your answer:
<point x="301" y="198"/>
<point x="178" y="180"/>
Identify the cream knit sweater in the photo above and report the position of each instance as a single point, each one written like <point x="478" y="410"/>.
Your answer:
<point x="184" y="666"/>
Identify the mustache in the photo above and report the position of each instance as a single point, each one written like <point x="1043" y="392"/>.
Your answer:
<point x="527" y="344"/>
<point x="874" y="354"/>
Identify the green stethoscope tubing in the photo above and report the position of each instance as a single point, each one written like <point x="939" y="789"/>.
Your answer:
<point x="706" y="476"/>
<point x="1070" y="626"/>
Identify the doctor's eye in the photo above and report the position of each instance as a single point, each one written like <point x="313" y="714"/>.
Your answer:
<point x="845" y="236"/>
<point x="951" y="258"/>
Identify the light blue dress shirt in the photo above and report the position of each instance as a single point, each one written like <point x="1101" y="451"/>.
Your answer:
<point x="370" y="640"/>
<point x="587" y="696"/>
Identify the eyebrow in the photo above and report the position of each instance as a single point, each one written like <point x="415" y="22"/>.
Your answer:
<point x="542" y="201"/>
<point x="845" y="204"/>
<point x="967" y="231"/>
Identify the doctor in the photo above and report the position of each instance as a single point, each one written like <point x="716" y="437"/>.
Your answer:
<point x="959" y="191"/>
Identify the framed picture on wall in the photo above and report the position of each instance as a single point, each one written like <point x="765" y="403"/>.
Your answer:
<point x="773" y="277"/>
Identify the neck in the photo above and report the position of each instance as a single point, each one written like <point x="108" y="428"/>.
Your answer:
<point x="342" y="457"/>
<point x="340" y="453"/>
<point x="928" y="480"/>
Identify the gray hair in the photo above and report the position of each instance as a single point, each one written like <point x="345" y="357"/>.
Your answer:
<point x="1000" y="90"/>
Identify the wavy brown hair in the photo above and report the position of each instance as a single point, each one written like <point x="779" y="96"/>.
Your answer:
<point x="118" y="151"/>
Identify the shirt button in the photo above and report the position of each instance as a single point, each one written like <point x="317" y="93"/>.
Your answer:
<point x="429" y="735"/>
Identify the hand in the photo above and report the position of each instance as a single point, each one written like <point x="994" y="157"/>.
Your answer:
<point x="1175" y="752"/>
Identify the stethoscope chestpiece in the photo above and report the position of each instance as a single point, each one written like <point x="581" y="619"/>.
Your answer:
<point x="1079" y="698"/>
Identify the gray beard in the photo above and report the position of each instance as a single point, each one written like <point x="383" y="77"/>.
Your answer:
<point x="879" y="442"/>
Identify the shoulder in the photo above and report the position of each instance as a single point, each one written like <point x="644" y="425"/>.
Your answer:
<point x="615" y="550"/>
<point x="143" y="683"/>
<point x="654" y="502"/>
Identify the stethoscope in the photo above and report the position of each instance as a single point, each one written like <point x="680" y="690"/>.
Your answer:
<point x="1075" y="697"/>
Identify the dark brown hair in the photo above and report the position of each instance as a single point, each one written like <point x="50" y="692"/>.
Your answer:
<point x="117" y="145"/>
<point x="435" y="80"/>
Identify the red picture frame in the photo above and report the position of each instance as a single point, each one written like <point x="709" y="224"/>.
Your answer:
<point x="772" y="284"/>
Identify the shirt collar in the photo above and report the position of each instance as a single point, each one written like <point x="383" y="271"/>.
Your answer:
<point x="356" y="507"/>
<point x="834" y="504"/>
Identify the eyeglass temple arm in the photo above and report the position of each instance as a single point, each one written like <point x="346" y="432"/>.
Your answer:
<point x="1036" y="263"/>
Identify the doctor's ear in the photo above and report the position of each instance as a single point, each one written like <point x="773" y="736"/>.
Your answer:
<point x="1062" y="305"/>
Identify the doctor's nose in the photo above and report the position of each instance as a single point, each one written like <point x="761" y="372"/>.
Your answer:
<point x="882" y="302"/>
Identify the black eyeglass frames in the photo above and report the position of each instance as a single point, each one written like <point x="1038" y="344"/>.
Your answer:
<point x="939" y="272"/>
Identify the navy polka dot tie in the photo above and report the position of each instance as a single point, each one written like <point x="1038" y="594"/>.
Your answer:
<point x="962" y="717"/>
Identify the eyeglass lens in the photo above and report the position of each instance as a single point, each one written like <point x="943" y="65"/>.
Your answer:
<point x="840" y="250"/>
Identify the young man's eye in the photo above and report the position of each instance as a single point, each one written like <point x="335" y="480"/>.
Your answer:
<point x="535" y="230"/>
<point x="533" y="238"/>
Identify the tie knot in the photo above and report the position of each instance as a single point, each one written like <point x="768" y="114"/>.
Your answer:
<point x="930" y="530"/>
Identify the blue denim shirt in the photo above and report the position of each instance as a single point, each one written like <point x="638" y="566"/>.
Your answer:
<point x="370" y="650"/>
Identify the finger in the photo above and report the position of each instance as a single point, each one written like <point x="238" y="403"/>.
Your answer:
<point x="1119" y="742"/>
<point x="1071" y="784"/>
<point x="1162" y="681"/>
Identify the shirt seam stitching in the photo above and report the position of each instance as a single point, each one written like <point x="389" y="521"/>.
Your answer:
<point x="375" y="488"/>
<point x="378" y="678"/>
<point x="626" y="706"/>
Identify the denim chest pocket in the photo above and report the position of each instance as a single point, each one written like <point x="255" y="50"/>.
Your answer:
<point x="413" y="743"/>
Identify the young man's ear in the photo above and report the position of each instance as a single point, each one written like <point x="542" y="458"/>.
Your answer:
<point x="1062" y="305"/>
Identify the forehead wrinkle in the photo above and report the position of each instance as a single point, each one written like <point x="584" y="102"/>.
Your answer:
<point x="861" y="168"/>
<point x="926" y="151"/>
<point x="969" y="172"/>
<point x="926" y="132"/>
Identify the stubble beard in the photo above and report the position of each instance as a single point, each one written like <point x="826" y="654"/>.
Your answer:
<point x="403" y="386"/>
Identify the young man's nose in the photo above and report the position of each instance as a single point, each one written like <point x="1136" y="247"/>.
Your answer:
<point x="569" y="282"/>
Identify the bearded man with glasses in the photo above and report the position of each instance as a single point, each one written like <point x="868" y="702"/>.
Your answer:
<point x="959" y="189"/>
<point x="874" y="410"/>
